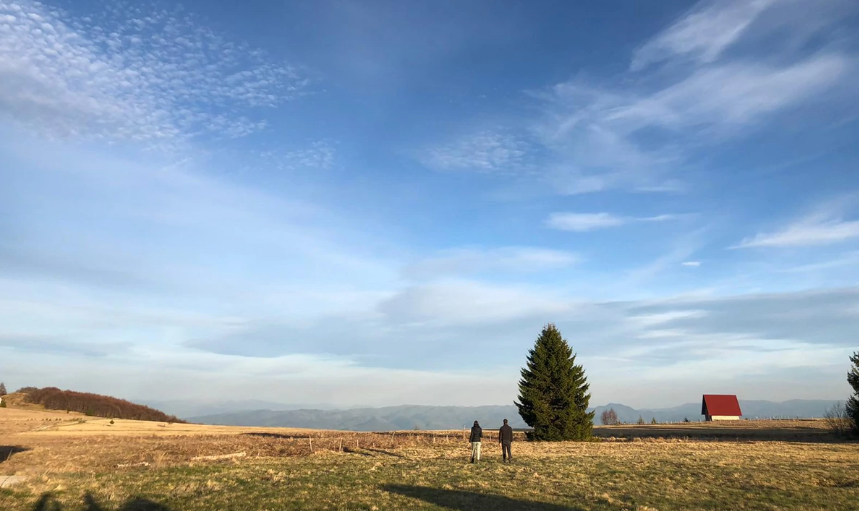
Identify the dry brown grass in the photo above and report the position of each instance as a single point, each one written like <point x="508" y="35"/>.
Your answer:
<point x="633" y="467"/>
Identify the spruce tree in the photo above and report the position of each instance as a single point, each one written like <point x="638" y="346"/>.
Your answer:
<point x="853" y="402"/>
<point x="2" y="389"/>
<point x="553" y="391"/>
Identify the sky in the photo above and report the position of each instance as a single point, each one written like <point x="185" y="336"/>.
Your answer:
<point x="380" y="202"/>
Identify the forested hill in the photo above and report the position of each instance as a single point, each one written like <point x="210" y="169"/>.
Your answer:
<point x="96" y="405"/>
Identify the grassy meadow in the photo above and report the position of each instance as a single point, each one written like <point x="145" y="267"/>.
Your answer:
<point x="65" y="462"/>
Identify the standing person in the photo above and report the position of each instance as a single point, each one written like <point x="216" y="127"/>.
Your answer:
<point x="505" y="438"/>
<point x="476" y="436"/>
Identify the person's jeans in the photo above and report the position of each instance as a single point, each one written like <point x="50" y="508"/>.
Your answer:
<point x="505" y="451"/>
<point x="475" y="451"/>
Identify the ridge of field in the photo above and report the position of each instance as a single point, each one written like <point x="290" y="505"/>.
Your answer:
<point x="70" y="462"/>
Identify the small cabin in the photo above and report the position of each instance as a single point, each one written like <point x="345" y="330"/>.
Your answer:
<point x="716" y="407"/>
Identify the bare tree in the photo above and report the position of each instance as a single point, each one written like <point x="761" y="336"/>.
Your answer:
<point x="609" y="417"/>
<point x="838" y="420"/>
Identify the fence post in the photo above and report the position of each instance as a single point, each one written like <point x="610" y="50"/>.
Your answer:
<point x="341" y="445"/>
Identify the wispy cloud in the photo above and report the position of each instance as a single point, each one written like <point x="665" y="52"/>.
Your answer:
<point x="850" y="259"/>
<point x="693" y="264"/>
<point x="818" y="229"/>
<point x="318" y="155"/>
<point x="682" y="249"/>
<point x="634" y="133"/>
<point x="703" y="33"/>
<point x="37" y="344"/>
<point x="505" y="259"/>
<point x="133" y="72"/>
<point x="731" y="95"/>
<point x="713" y="28"/>
<point x="593" y="132"/>
<point x="583" y="222"/>
<point x="484" y="151"/>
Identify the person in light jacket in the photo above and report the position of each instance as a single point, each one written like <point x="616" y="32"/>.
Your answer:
<point x="476" y="436"/>
<point x="505" y="438"/>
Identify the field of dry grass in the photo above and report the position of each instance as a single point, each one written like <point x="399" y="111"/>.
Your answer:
<point x="67" y="462"/>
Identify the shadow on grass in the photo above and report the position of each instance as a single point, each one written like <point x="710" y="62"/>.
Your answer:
<point x="47" y="503"/>
<point x="276" y="435"/>
<point x="384" y="452"/>
<point x="713" y="432"/>
<point x="6" y="451"/>
<point x="472" y="501"/>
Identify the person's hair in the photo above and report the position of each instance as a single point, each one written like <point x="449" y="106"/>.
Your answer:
<point x="505" y="421"/>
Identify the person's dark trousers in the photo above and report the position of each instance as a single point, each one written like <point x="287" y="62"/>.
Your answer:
<point x="505" y="451"/>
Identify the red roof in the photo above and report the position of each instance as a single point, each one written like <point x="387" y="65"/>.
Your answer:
<point x="720" y="405"/>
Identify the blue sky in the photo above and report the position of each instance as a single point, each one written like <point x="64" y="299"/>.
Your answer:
<point x="383" y="202"/>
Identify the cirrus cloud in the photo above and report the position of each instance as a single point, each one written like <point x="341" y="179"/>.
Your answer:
<point x="133" y="73"/>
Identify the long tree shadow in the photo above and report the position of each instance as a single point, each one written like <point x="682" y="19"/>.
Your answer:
<point x="472" y="501"/>
<point x="385" y="453"/>
<point x="6" y="451"/>
<point x="724" y="433"/>
<point x="281" y="436"/>
<point x="47" y="502"/>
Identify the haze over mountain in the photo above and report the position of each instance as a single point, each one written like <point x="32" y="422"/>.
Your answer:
<point x="454" y="417"/>
<point x="192" y="407"/>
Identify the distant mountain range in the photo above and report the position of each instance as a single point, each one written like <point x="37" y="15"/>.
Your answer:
<point x="372" y="419"/>
<point x="453" y="417"/>
<point x="193" y="408"/>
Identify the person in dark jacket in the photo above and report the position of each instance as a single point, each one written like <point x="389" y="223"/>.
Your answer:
<point x="505" y="438"/>
<point x="476" y="436"/>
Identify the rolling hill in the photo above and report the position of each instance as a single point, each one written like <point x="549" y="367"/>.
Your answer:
<point x="52" y="398"/>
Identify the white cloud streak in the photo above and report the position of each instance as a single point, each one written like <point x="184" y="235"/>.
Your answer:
<point x="584" y="222"/>
<point x="702" y="34"/>
<point x="635" y="135"/>
<point x="731" y="95"/>
<point x="818" y="229"/>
